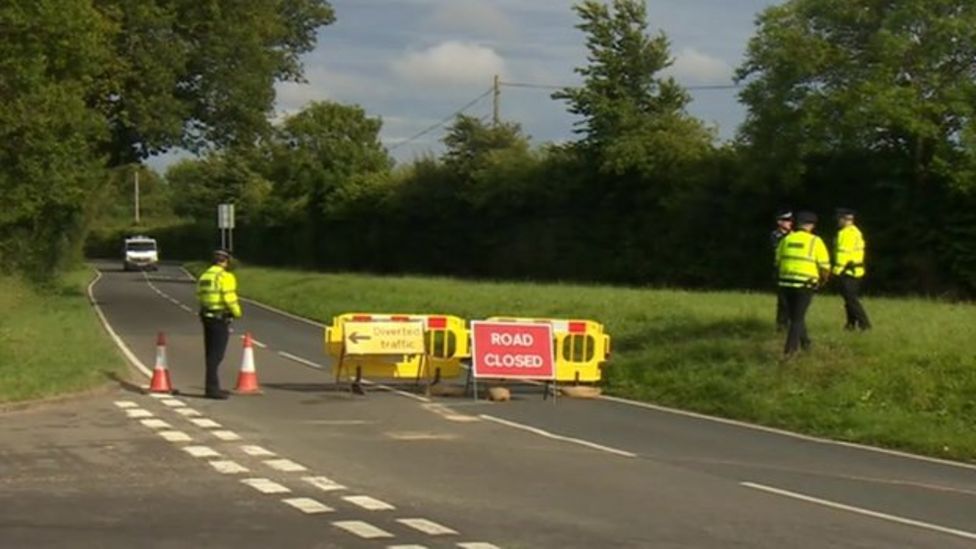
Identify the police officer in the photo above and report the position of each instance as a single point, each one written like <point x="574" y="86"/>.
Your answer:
<point x="784" y="225"/>
<point x="849" y="266"/>
<point x="217" y="294"/>
<point x="804" y="266"/>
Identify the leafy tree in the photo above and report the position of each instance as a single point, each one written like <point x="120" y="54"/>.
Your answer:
<point x="198" y="186"/>
<point x="894" y="80"/>
<point x="469" y="142"/>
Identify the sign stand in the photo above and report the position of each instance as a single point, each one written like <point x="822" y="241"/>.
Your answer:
<point x="513" y="350"/>
<point x="383" y="339"/>
<point x="225" y="222"/>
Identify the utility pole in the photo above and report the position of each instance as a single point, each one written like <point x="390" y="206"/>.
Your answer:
<point x="136" y="192"/>
<point x="496" y="101"/>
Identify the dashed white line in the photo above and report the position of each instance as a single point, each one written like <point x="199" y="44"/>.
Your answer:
<point x="175" y="436"/>
<point x="427" y="526"/>
<point x="158" y="395"/>
<point x="173" y="403"/>
<point x="138" y="413"/>
<point x="201" y="451"/>
<point x="228" y="467"/>
<point x="205" y="422"/>
<point x="226" y="435"/>
<point x="860" y="510"/>
<point x="477" y="545"/>
<point x="256" y="451"/>
<point x="300" y="360"/>
<point x="362" y="529"/>
<point x="308" y="505"/>
<point x="266" y="486"/>
<point x="126" y="404"/>
<point x="406" y="547"/>
<point x="257" y="343"/>
<point x="285" y="465"/>
<point x="547" y="434"/>
<point x="323" y="483"/>
<point x="368" y="503"/>
<point x="154" y="423"/>
<point x="188" y="412"/>
<point x="185" y="308"/>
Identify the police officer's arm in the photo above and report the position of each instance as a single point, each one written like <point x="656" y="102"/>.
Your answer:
<point x="822" y="257"/>
<point x="228" y="292"/>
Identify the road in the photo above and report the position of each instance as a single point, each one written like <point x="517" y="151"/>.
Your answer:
<point x="525" y="473"/>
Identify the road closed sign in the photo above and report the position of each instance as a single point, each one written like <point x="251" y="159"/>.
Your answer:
<point x="512" y="350"/>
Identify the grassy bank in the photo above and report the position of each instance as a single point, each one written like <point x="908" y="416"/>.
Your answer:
<point x="910" y="383"/>
<point x="51" y="342"/>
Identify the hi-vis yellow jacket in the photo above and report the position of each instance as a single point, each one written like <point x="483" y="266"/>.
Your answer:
<point x="849" y="252"/>
<point x="800" y="257"/>
<point x="217" y="293"/>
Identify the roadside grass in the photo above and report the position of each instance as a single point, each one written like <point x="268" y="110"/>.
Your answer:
<point x="910" y="383"/>
<point x="51" y="342"/>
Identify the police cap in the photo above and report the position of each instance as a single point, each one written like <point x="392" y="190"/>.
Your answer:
<point x="803" y="218"/>
<point x="845" y="212"/>
<point x="221" y="255"/>
<point x="784" y="214"/>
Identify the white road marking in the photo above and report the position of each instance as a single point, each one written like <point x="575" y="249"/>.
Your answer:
<point x="418" y="435"/>
<point x="129" y="355"/>
<point x="323" y="483"/>
<point x="387" y="388"/>
<point x="265" y="486"/>
<point x="201" y="451"/>
<point x="285" y="465"/>
<point x="159" y="395"/>
<point x="173" y="403"/>
<point x="126" y="404"/>
<point x="228" y="467"/>
<point x="562" y="438"/>
<point x="226" y="435"/>
<point x="185" y="308"/>
<point x="301" y="360"/>
<point x="337" y="422"/>
<point x="188" y="412"/>
<point x="406" y="547"/>
<point x="368" y="503"/>
<point x="448" y="413"/>
<point x="477" y="545"/>
<point x="138" y="413"/>
<point x="427" y="526"/>
<point x="258" y="451"/>
<point x="280" y="312"/>
<point x="861" y="511"/>
<point x="257" y="343"/>
<point x="308" y="505"/>
<point x="154" y="423"/>
<point x="362" y="529"/>
<point x="175" y="436"/>
<point x="204" y="422"/>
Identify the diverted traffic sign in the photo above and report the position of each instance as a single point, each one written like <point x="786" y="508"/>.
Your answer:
<point x="384" y="338"/>
<point x="512" y="350"/>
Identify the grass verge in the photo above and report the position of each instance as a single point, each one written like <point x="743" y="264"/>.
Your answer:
<point x="908" y="384"/>
<point x="51" y="342"/>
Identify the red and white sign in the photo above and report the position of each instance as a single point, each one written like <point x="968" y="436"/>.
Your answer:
<point x="512" y="350"/>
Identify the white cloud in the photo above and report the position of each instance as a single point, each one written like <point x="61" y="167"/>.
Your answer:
<point x="692" y="67"/>
<point x="450" y="63"/>
<point x="472" y="17"/>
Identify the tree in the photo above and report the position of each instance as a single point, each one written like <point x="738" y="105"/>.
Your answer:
<point x="893" y="80"/>
<point x="469" y="143"/>
<point x="632" y="118"/>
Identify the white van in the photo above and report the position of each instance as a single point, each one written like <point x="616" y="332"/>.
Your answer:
<point x="140" y="252"/>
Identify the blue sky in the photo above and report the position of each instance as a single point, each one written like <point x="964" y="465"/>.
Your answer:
<point x="413" y="62"/>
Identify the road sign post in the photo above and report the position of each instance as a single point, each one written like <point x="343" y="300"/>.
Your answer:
<point x="511" y="350"/>
<point x="225" y="222"/>
<point x="382" y="338"/>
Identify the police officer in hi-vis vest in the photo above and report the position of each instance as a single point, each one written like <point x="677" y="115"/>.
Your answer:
<point x="803" y="265"/>
<point x="849" y="267"/>
<point x="784" y="226"/>
<point x="217" y="294"/>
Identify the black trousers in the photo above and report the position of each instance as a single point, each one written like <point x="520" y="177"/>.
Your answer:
<point x="850" y="289"/>
<point x="216" y="332"/>
<point x="782" y="311"/>
<point x="797" y="302"/>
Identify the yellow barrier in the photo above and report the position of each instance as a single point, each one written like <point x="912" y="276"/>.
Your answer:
<point x="445" y="337"/>
<point x="581" y="347"/>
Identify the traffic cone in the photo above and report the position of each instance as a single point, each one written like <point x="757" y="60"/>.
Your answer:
<point x="161" y="382"/>
<point x="247" y="378"/>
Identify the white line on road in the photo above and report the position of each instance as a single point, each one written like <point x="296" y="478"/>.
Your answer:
<point x="201" y="451"/>
<point x="159" y="396"/>
<point x="323" y="483"/>
<point x="188" y="412"/>
<point x="257" y="343"/>
<point x="228" y="467"/>
<point x="265" y="486"/>
<point x="427" y="526"/>
<point x="205" y="422"/>
<point x="406" y="547"/>
<point x="283" y="313"/>
<point x="175" y="436"/>
<point x="226" y="435"/>
<point x="477" y="545"/>
<point x="308" y="505"/>
<point x="126" y="404"/>
<point x="257" y="451"/>
<point x="129" y="355"/>
<point x="185" y="308"/>
<point x="362" y="529"/>
<point x="173" y="403"/>
<point x="137" y="413"/>
<point x="861" y="511"/>
<point x="368" y="503"/>
<point x="301" y="360"/>
<point x="285" y="465"/>
<point x="154" y="423"/>
<point x="562" y="438"/>
<point x="418" y="398"/>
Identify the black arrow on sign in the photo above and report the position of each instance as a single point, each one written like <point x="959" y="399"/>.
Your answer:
<point x="356" y="337"/>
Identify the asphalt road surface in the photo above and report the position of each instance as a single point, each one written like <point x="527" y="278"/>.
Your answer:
<point x="393" y="469"/>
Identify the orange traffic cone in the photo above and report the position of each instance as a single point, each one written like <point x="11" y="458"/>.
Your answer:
<point x="247" y="378"/>
<point x="161" y="382"/>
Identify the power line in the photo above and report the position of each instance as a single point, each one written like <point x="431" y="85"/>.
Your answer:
<point x="533" y="85"/>
<point x="443" y="121"/>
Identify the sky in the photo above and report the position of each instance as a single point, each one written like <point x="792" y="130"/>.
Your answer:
<point x="415" y="62"/>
